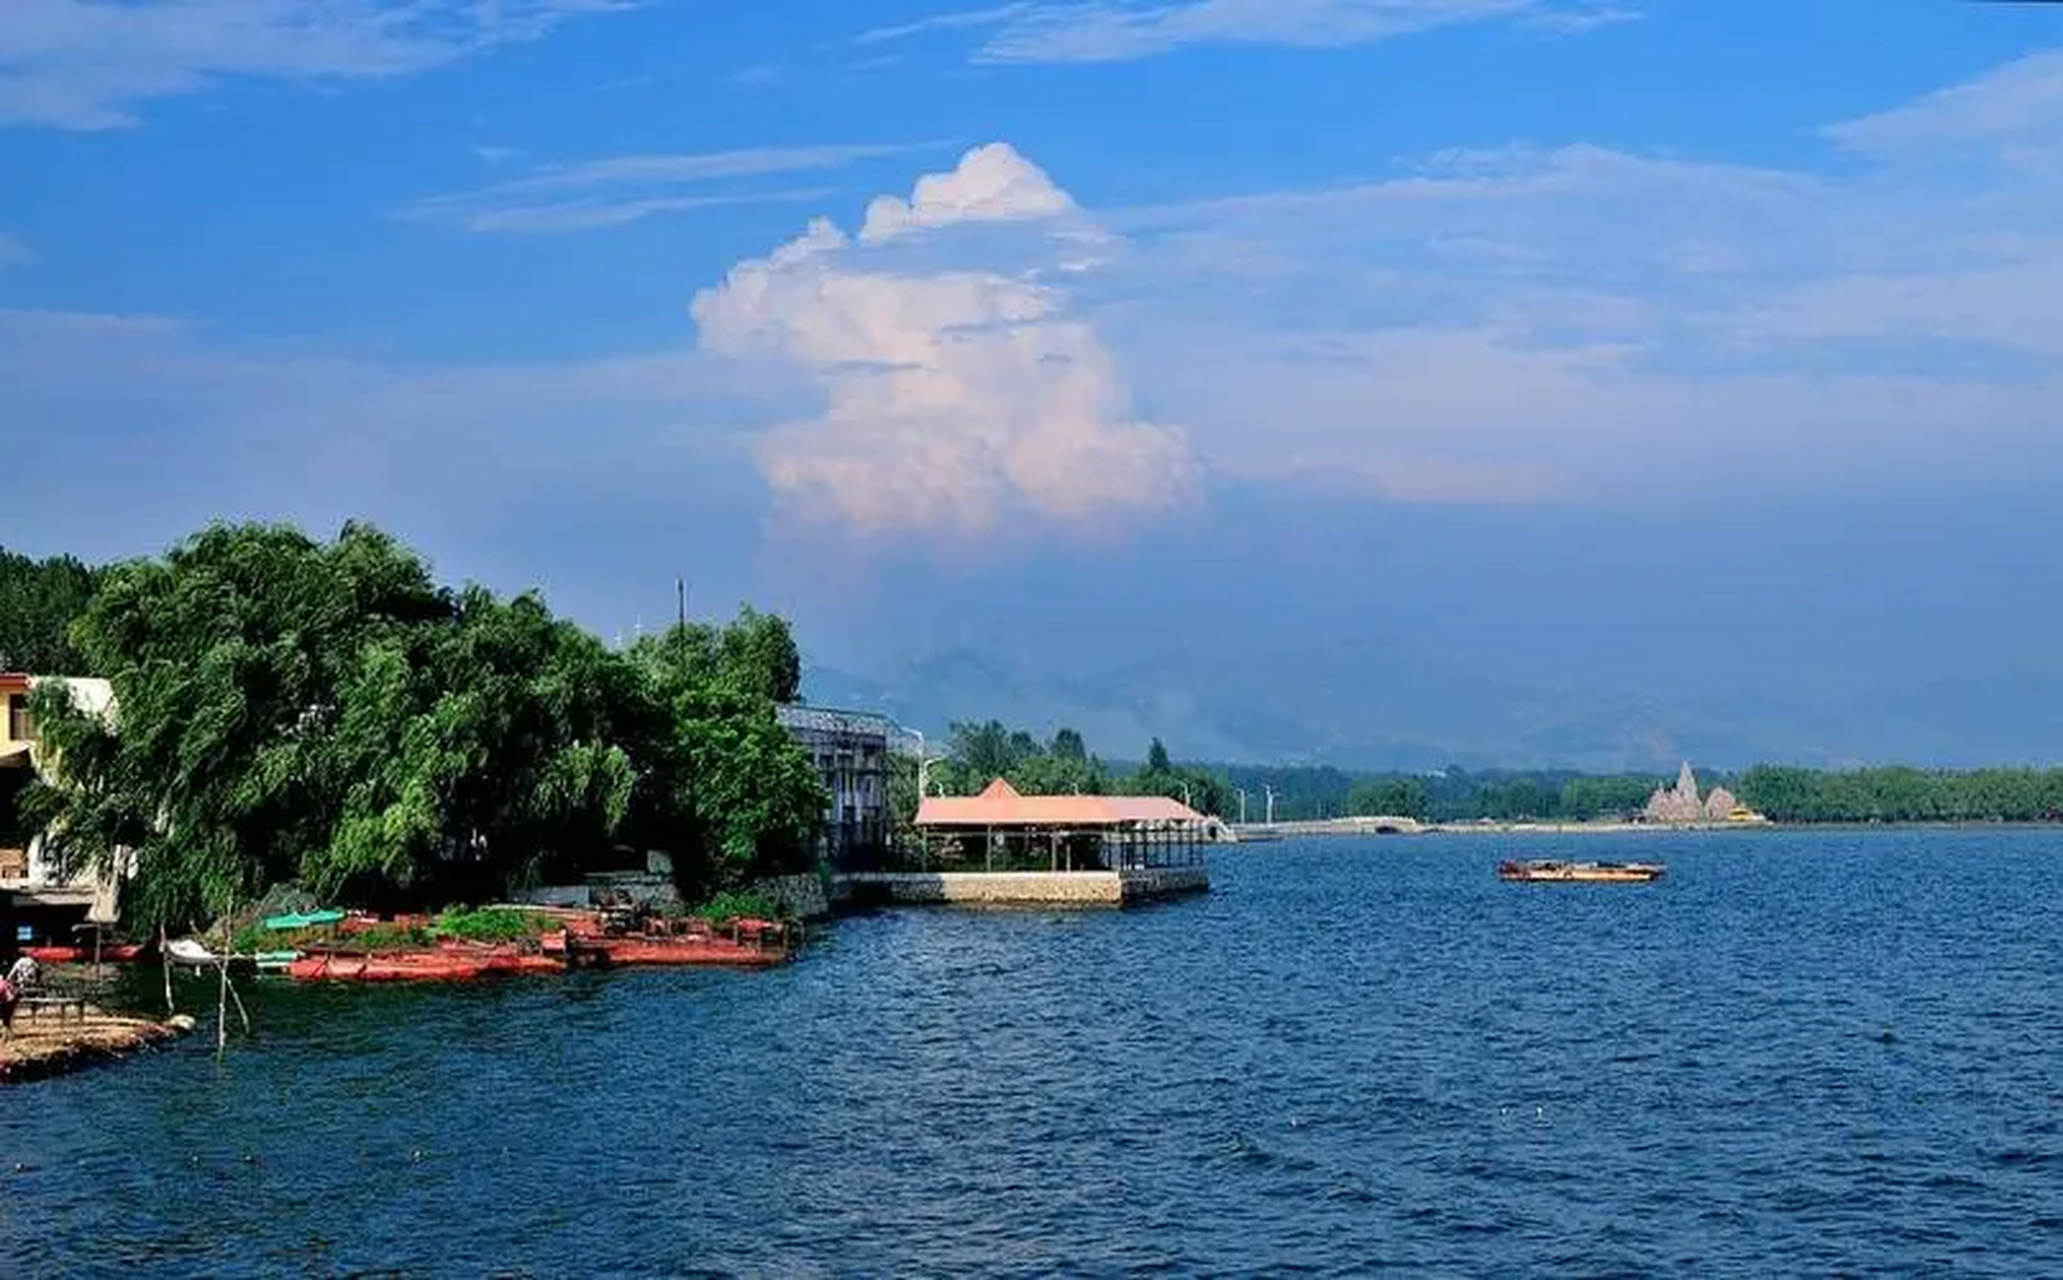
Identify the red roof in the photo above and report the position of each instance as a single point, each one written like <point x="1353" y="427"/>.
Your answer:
<point x="1002" y="805"/>
<point x="13" y="682"/>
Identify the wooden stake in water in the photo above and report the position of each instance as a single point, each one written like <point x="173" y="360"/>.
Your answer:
<point x="165" y="959"/>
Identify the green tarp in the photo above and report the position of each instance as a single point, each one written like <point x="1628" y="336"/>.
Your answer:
<point x="303" y="919"/>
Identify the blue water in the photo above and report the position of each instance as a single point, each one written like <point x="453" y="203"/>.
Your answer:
<point x="1799" y="1053"/>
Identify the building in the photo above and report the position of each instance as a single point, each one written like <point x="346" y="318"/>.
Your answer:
<point x="36" y="903"/>
<point x="1681" y="804"/>
<point x="851" y="752"/>
<point x="1004" y="848"/>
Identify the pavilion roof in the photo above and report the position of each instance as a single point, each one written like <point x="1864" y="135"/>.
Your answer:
<point x="1002" y="805"/>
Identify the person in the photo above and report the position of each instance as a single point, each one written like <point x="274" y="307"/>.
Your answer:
<point x="24" y="976"/>
<point x="8" y="999"/>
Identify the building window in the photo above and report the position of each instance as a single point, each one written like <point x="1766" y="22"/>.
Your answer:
<point x="20" y="728"/>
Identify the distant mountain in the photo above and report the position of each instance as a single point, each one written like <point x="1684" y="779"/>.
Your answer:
<point x="1384" y="703"/>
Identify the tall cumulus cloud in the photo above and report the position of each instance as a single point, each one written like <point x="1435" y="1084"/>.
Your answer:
<point x="954" y="396"/>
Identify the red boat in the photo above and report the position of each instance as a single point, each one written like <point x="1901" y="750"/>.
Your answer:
<point x="92" y="943"/>
<point x="110" y="953"/>
<point x="737" y="943"/>
<point x="449" y="961"/>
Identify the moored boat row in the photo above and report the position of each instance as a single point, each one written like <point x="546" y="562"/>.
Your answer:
<point x="582" y="940"/>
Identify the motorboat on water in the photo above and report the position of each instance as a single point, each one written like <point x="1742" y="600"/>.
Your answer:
<point x="1550" y="870"/>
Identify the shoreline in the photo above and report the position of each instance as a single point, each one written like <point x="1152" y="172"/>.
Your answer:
<point x="39" y="1051"/>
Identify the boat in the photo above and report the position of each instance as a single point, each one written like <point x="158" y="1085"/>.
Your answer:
<point x="1554" y="870"/>
<point x="304" y="919"/>
<point x="742" y="943"/>
<point x="452" y="960"/>
<point x="195" y="952"/>
<point x="97" y="949"/>
<point x="109" y="953"/>
<point x="386" y="966"/>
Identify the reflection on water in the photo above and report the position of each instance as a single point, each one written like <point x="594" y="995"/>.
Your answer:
<point x="1797" y="1053"/>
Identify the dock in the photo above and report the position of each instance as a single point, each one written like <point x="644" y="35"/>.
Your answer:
<point x="1101" y="888"/>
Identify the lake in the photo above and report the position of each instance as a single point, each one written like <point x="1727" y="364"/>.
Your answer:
<point x="1799" y="1052"/>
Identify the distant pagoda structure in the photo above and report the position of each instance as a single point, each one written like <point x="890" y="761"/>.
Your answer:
<point x="1681" y="804"/>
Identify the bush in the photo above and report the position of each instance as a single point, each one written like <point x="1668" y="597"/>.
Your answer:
<point x="490" y="924"/>
<point x="725" y="906"/>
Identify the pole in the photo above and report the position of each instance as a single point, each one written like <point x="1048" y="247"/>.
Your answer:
<point x="680" y="592"/>
<point x="1242" y="806"/>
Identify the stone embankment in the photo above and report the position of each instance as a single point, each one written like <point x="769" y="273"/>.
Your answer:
<point x="50" y="1043"/>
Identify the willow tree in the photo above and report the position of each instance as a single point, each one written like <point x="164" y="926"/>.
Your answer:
<point x="289" y="709"/>
<point x="732" y="794"/>
<point x="226" y="658"/>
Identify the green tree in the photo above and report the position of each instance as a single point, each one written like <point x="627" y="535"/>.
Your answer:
<point x="39" y="602"/>
<point x="323" y="712"/>
<point x="1589" y="798"/>
<point x="1399" y="797"/>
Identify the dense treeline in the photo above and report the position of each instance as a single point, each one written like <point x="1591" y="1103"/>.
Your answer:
<point x="39" y="600"/>
<point x="324" y="713"/>
<point x="1898" y="794"/>
<point x="1451" y="795"/>
<point x="1784" y="793"/>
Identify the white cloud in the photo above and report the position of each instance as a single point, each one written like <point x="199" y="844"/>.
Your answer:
<point x="952" y="397"/>
<point x="623" y="189"/>
<point x="1574" y="22"/>
<point x="945" y="22"/>
<point x="160" y="424"/>
<point x="2013" y="109"/>
<point x="1121" y="30"/>
<point x="88" y="64"/>
<point x="1499" y="325"/>
<point x="1583" y="321"/>
<point x="990" y="184"/>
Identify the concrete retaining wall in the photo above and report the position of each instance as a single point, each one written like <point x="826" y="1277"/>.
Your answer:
<point x="1021" y="888"/>
<point x="1165" y="882"/>
<point x="803" y="896"/>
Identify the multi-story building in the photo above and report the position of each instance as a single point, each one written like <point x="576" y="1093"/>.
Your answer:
<point x="37" y="903"/>
<point x="851" y="752"/>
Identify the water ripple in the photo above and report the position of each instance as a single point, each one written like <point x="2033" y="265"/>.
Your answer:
<point x="1797" y="1053"/>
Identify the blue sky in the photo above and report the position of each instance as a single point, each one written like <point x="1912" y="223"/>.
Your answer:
<point x="1639" y="340"/>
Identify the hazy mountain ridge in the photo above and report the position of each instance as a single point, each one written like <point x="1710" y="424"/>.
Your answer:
<point x="1383" y="703"/>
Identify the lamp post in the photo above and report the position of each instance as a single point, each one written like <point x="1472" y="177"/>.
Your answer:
<point x="1242" y="806"/>
<point x="923" y="754"/>
<point x="1270" y="789"/>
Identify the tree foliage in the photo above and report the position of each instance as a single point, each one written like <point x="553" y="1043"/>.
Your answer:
<point x="1401" y="797"/>
<point x="1903" y="794"/>
<point x="976" y="754"/>
<point x="289" y="709"/>
<point x="39" y="601"/>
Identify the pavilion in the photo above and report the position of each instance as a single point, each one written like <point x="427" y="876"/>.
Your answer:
<point x="1064" y="833"/>
<point x="1006" y="848"/>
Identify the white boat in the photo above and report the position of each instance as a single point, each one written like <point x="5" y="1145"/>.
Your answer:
<point x="195" y="952"/>
<point x="190" y="951"/>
